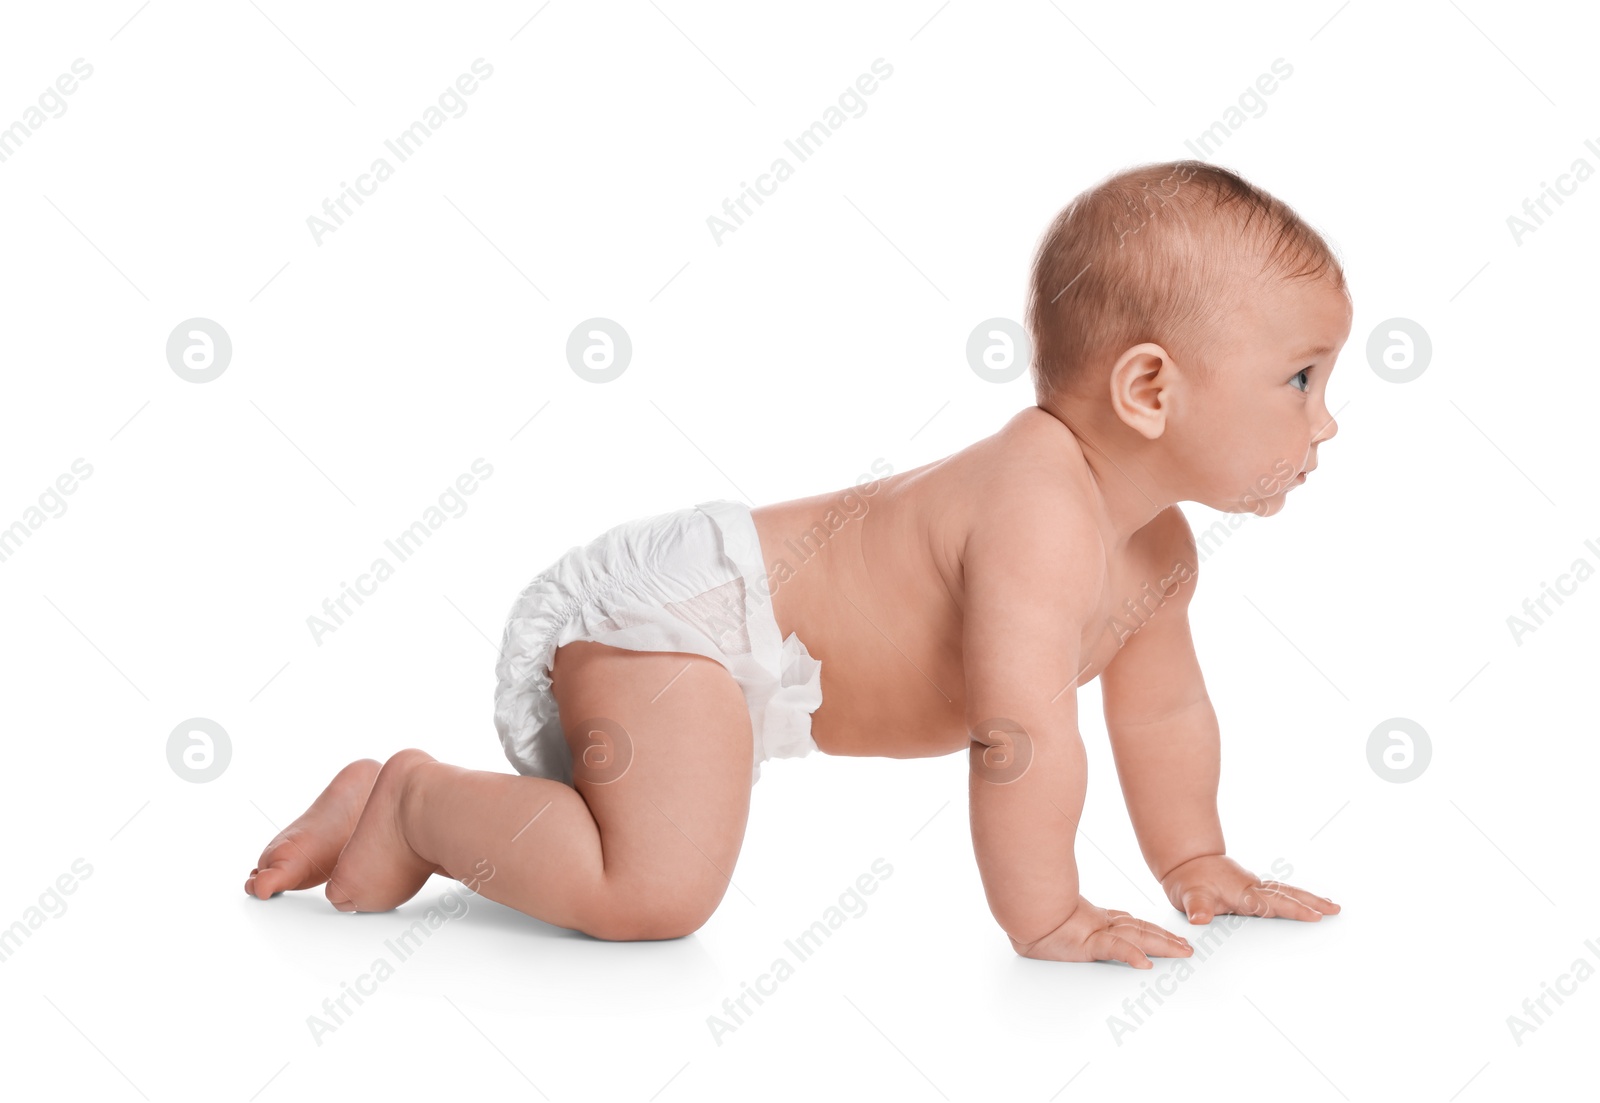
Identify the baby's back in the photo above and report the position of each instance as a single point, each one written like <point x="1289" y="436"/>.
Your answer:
<point x="873" y="584"/>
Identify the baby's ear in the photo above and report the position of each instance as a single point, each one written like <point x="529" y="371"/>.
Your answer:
<point x="1141" y="383"/>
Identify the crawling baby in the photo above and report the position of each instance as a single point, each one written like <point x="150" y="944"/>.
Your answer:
<point x="1184" y="326"/>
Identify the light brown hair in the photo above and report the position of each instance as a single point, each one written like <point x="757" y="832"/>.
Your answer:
<point x="1153" y="253"/>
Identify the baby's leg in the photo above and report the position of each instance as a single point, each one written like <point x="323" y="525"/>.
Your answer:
<point x="646" y="855"/>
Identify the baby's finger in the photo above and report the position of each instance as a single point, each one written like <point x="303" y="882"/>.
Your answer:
<point x="1276" y="903"/>
<point x="1266" y="902"/>
<point x="1153" y="938"/>
<point x="1254" y="900"/>
<point x="1105" y="946"/>
<point x="1310" y="899"/>
<point x="1150" y="939"/>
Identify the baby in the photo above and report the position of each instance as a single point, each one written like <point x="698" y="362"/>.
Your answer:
<point x="1184" y="326"/>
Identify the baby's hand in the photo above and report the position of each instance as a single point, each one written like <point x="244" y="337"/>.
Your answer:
<point x="1217" y="885"/>
<point x="1101" y="934"/>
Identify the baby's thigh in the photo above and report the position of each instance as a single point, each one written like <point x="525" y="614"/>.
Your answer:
<point x="661" y="752"/>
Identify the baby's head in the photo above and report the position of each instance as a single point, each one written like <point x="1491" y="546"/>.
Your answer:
<point x="1188" y="306"/>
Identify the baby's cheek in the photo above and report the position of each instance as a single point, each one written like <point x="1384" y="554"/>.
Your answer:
<point x="1268" y="481"/>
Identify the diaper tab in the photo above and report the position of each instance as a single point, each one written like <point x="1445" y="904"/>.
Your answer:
<point x="742" y="546"/>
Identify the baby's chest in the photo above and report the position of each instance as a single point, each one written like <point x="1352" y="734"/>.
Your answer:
<point x="1136" y="587"/>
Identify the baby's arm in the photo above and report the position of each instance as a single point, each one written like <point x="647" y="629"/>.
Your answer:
<point x="1165" y="740"/>
<point x="1031" y="572"/>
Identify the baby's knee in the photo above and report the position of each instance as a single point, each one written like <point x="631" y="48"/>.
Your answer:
<point x="640" y="928"/>
<point x="639" y="913"/>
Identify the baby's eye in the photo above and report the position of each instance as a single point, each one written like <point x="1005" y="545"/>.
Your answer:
<point x="1303" y="374"/>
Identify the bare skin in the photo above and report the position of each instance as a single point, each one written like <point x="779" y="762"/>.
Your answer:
<point x="940" y="602"/>
<point x="303" y="855"/>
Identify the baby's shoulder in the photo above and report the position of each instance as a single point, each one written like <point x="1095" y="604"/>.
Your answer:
<point x="1024" y="502"/>
<point x="1034" y="462"/>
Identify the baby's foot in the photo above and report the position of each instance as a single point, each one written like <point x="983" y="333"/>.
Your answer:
<point x="378" y="870"/>
<point x="303" y="854"/>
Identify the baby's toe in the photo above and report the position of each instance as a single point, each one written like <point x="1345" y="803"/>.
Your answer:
<point x="284" y="867"/>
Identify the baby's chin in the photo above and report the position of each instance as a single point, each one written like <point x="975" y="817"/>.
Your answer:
<point x="1254" y="501"/>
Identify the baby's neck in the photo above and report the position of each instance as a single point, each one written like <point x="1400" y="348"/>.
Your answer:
<point x="1129" y="491"/>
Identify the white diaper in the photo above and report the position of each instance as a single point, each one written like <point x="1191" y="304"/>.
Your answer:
<point x="691" y="580"/>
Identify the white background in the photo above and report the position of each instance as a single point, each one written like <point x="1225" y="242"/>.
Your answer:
<point x="369" y="371"/>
